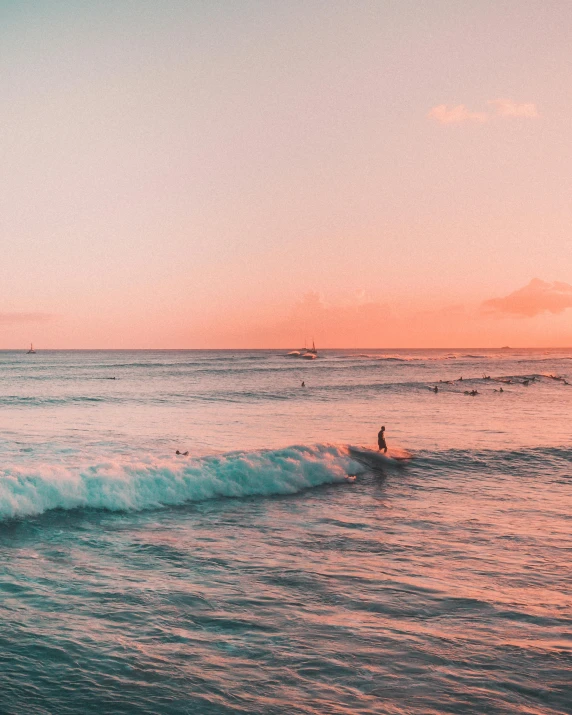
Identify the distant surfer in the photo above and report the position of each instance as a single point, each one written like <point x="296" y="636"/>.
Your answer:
<point x="381" y="440"/>
<point x="435" y="389"/>
<point x="182" y="454"/>
<point x="303" y="383"/>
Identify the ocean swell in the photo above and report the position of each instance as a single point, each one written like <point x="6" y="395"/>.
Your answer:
<point x="150" y="482"/>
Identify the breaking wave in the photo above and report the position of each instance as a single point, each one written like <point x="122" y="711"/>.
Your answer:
<point x="123" y="485"/>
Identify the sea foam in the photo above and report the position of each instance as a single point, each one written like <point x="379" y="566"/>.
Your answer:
<point x="148" y="482"/>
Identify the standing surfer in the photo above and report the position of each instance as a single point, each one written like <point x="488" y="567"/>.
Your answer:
<point x="381" y="440"/>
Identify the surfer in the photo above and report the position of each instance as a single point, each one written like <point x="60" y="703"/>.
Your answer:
<point x="381" y="440"/>
<point x="435" y="389"/>
<point x="182" y="454"/>
<point x="303" y="384"/>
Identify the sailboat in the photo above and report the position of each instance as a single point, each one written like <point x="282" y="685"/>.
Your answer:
<point x="31" y="351"/>
<point x="307" y="353"/>
<point x="310" y="353"/>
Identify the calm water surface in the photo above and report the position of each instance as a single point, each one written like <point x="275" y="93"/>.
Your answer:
<point x="251" y="576"/>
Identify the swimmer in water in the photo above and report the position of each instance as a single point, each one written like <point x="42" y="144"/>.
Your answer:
<point x="182" y="454"/>
<point x="435" y="389"/>
<point x="381" y="440"/>
<point x="303" y="384"/>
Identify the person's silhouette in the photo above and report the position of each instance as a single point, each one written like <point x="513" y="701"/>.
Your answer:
<point x="381" y="440"/>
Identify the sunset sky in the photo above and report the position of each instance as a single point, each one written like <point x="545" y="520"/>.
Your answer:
<point x="205" y="174"/>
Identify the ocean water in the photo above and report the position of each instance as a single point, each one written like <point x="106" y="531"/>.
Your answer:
<point x="252" y="576"/>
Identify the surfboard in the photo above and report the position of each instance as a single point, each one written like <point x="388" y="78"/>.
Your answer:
<point x="378" y="460"/>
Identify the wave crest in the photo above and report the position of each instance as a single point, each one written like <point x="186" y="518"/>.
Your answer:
<point x="122" y="485"/>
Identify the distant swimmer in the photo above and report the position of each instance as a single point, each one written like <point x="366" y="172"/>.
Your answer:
<point x="182" y="454"/>
<point x="303" y="383"/>
<point x="381" y="440"/>
<point x="461" y="379"/>
<point x="435" y="389"/>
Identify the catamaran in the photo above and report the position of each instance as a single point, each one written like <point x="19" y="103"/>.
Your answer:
<point x="306" y="353"/>
<point x="310" y="353"/>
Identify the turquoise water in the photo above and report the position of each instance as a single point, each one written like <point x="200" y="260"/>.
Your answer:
<point x="251" y="576"/>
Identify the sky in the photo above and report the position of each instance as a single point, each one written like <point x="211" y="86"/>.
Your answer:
<point x="185" y="174"/>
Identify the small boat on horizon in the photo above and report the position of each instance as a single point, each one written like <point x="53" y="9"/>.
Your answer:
<point x="310" y="353"/>
<point x="306" y="353"/>
<point x="31" y="351"/>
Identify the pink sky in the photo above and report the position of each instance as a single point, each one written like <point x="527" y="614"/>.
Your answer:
<point x="203" y="174"/>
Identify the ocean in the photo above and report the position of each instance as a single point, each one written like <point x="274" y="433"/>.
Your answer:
<point x="252" y="576"/>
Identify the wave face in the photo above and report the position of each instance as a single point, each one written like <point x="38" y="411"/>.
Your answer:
<point x="138" y="484"/>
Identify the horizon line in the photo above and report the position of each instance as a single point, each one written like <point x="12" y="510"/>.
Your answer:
<point x="275" y="349"/>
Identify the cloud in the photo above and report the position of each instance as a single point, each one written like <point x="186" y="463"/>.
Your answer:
<point x="6" y="318"/>
<point x="359" y="321"/>
<point x="504" y="108"/>
<point x="508" y="108"/>
<point x="535" y="298"/>
<point x="455" y="115"/>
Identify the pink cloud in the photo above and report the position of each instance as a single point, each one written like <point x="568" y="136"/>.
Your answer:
<point x="24" y="317"/>
<point x="508" y="108"/>
<point x="360" y="322"/>
<point x="455" y="115"/>
<point x="535" y="298"/>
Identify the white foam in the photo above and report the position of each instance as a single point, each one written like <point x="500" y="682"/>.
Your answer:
<point x="148" y="482"/>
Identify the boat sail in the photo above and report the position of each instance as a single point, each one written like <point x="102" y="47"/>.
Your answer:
<point x="31" y="351"/>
